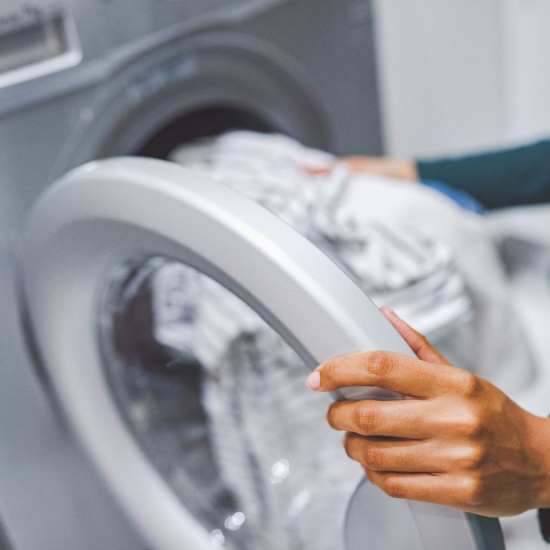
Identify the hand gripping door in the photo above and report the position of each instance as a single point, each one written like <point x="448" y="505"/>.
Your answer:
<point x="111" y="211"/>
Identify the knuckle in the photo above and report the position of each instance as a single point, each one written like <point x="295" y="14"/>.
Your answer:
<point x="472" y="424"/>
<point x="374" y="459"/>
<point x="367" y="419"/>
<point x="329" y="373"/>
<point x="424" y="343"/>
<point x="393" y="487"/>
<point x="349" y="445"/>
<point x="379" y="363"/>
<point x="473" y="494"/>
<point x="470" y="384"/>
<point x="332" y="415"/>
<point x="473" y="458"/>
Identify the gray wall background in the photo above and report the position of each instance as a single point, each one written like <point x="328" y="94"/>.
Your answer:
<point x="460" y="75"/>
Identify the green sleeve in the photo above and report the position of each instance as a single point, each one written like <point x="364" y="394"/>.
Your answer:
<point x="497" y="179"/>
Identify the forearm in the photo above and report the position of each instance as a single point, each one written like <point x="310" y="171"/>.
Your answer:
<point x="496" y="179"/>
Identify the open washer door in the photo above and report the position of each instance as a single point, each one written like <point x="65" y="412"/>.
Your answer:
<point x="90" y="228"/>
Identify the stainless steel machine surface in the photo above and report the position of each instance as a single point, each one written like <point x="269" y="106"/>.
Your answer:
<point x="84" y="79"/>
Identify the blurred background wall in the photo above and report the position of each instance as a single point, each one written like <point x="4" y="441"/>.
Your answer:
<point x="462" y="75"/>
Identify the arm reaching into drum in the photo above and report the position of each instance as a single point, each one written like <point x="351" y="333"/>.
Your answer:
<point x="496" y="179"/>
<point x="388" y="167"/>
<point x="457" y="440"/>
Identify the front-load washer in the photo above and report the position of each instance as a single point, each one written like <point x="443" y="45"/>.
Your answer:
<point x="236" y="471"/>
<point x="81" y="80"/>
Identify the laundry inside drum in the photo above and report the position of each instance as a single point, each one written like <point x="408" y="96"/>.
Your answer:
<point x="216" y="400"/>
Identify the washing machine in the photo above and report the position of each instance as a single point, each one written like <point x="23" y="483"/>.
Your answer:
<point x="104" y="442"/>
<point x="203" y="455"/>
<point x="81" y="80"/>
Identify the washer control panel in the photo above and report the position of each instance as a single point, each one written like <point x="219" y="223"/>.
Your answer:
<point x="42" y="37"/>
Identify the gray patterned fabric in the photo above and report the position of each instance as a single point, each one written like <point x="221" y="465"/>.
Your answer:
<point x="407" y="246"/>
<point x="397" y="265"/>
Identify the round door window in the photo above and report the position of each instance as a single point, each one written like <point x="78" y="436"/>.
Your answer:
<point x="192" y="407"/>
<point x="217" y="402"/>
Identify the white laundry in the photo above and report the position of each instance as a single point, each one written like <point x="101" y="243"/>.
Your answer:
<point x="493" y="342"/>
<point x="280" y="467"/>
<point x="407" y="246"/>
<point x="396" y="264"/>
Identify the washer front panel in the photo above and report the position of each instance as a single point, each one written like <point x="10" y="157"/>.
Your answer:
<point x="112" y="211"/>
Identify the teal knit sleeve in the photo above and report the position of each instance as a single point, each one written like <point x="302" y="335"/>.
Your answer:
<point x="497" y="179"/>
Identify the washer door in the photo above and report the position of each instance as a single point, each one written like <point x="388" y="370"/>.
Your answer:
<point x="98" y="247"/>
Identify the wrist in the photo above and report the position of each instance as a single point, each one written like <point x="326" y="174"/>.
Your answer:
<point x="407" y="170"/>
<point x="538" y="440"/>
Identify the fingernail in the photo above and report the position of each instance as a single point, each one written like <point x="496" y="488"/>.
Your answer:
<point x="313" y="381"/>
<point x="388" y="311"/>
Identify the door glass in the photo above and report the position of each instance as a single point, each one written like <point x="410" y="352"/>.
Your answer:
<point x="217" y="402"/>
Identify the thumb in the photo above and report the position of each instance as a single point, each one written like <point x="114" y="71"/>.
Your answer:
<point x="417" y="342"/>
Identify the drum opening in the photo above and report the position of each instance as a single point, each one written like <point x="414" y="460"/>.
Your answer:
<point x="202" y="123"/>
